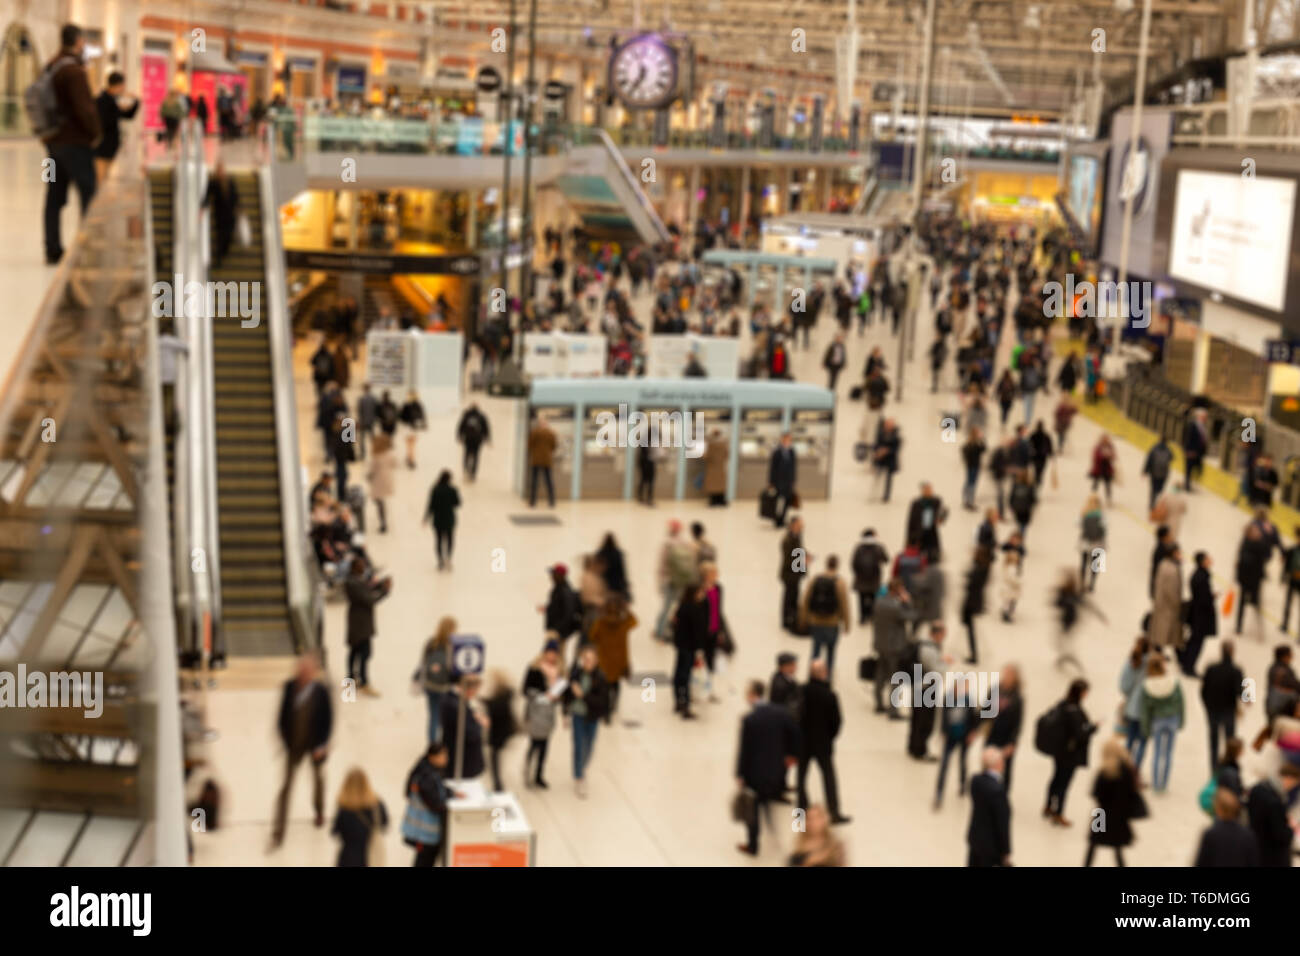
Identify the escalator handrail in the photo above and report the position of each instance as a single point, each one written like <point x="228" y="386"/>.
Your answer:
<point x="303" y="596"/>
<point x="620" y="164"/>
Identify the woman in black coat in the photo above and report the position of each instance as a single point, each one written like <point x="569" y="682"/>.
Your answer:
<point x="613" y="568"/>
<point x="1202" y="615"/>
<point x="1116" y="794"/>
<point x="1074" y="751"/>
<point x="690" y="636"/>
<point x="361" y="818"/>
<point x="972" y="606"/>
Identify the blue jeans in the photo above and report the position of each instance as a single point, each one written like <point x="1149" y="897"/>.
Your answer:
<point x="671" y="596"/>
<point x="951" y="743"/>
<point x="435" y="707"/>
<point x="1133" y="735"/>
<point x="584" y="739"/>
<point x="824" y="635"/>
<point x="1162" y="735"/>
<point x="968" y="490"/>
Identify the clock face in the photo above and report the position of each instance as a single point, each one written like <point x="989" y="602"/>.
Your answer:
<point x="643" y="72"/>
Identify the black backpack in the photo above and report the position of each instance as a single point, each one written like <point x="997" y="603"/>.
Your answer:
<point x="824" y="599"/>
<point x="1050" y="731"/>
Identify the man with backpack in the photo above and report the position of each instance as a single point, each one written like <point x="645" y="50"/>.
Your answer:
<point x="869" y="558"/>
<point x="825" y="609"/>
<point x="61" y="111"/>
<point x="678" y="566"/>
<point x="1156" y="468"/>
<point x="472" y="432"/>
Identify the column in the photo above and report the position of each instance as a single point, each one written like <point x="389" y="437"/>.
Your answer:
<point x="744" y="200"/>
<point x="471" y="221"/>
<point x="783" y="206"/>
<point x="692" y="200"/>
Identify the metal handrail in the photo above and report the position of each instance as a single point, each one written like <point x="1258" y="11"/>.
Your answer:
<point x="301" y="576"/>
<point x="620" y="164"/>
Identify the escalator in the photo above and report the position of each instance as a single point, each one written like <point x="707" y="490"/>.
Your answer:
<point x="254" y="608"/>
<point x="605" y="193"/>
<point x="161" y="191"/>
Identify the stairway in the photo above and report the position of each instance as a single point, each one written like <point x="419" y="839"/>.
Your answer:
<point x="254" y="609"/>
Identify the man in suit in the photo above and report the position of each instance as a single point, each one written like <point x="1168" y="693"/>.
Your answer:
<point x="1267" y="807"/>
<point x="1226" y="843"/>
<point x="363" y="594"/>
<point x="1221" y="694"/>
<point x="819" y="724"/>
<point x="989" y="834"/>
<point x="305" y="721"/>
<point x="781" y="470"/>
<point x="769" y="743"/>
<point x="794" y="567"/>
<point x="1196" y="441"/>
<point x="1004" y="730"/>
<point x="785" y="689"/>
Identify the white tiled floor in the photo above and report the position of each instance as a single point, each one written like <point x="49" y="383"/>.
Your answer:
<point x="659" y="791"/>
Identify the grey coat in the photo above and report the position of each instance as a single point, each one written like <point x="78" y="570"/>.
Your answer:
<point x="929" y="594"/>
<point x="889" y="623"/>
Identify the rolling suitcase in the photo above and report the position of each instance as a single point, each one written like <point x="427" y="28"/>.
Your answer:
<point x="767" y="503"/>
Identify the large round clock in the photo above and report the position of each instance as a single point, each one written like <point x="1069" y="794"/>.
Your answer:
<point x="643" y="72"/>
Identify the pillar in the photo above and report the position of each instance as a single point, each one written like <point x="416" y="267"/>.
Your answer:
<point x="692" y="200"/>
<point x="744" y="201"/>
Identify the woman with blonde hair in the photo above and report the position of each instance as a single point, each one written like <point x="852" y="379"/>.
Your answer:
<point x="433" y="674"/>
<point x="1118" y="802"/>
<point x="817" y="845"/>
<point x="359" y="822"/>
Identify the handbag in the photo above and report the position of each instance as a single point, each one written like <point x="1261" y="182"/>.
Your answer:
<point x="726" y="644"/>
<point x="420" y="824"/>
<point x="861" y="450"/>
<point x="744" y="806"/>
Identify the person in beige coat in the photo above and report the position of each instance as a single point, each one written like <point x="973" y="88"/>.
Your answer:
<point x="541" y="456"/>
<point x="383" y="465"/>
<point x="1170" y="509"/>
<point x="1166" y="626"/>
<point x="717" y="456"/>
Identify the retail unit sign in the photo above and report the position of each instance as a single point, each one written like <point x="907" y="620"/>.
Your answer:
<point x="385" y="265"/>
<point x="1233" y="235"/>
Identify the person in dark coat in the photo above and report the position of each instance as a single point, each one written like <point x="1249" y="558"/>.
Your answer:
<point x="70" y="145"/>
<point x="1196" y="441"/>
<point x="426" y="784"/>
<point x="781" y="476"/>
<point x="690" y="636"/>
<point x="869" y="561"/>
<point x="819" y="725"/>
<point x="1005" y="725"/>
<point x="1227" y="843"/>
<point x="613" y="568"/>
<point x="563" y="608"/>
<point x="784" y="689"/>
<point x="111" y="113"/>
<point x="1221" y="694"/>
<point x="501" y="724"/>
<point x="1202" y="615"/>
<point x="363" y="593"/>
<point x="989" y="835"/>
<point x="1074" y="751"/>
<point x="464" y="760"/>
<point x="924" y="516"/>
<point x="1267" y="808"/>
<point x="223" y="198"/>
<point x="444" y="499"/>
<point x="1252" y="558"/>
<point x="972" y="605"/>
<point x="305" y="721"/>
<point x="769" y="743"/>
<point x="1116" y="794"/>
<point x="472" y="431"/>
<point x="793" y="569"/>
<point x="360" y="818"/>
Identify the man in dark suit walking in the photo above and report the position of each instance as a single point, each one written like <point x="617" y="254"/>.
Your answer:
<point x="781" y="472"/>
<point x="769" y="743"/>
<point x="989" y="835"/>
<point x="305" y="721"/>
<point x="819" y="725"/>
<point x="1267" y="807"/>
<point x="1221" y="694"/>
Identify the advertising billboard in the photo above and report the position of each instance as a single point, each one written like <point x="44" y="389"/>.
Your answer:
<point x="1142" y="183"/>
